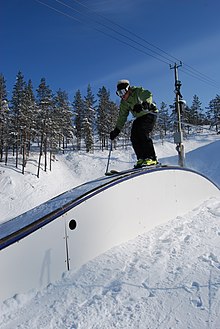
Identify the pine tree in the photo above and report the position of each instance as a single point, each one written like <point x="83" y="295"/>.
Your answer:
<point x="164" y="119"/>
<point x="16" y="113"/>
<point x="3" y="118"/>
<point x="111" y="118"/>
<point x="103" y="116"/>
<point x="173" y="116"/>
<point x="88" y="136"/>
<point x="62" y="119"/>
<point x="27" y="120"/>
<point x="89" y="107"/>
<point x="45" y="105"/>
<point x="78" y="106"/>
<point x="187" y="118"/>
<point x="214" y="112"/>
<point x="3" y="92"/>
<point x="196" y="111"/>
<point x="31" y="111"/>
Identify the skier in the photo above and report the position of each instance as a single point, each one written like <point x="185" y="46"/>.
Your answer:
<point x="138" y="101"/>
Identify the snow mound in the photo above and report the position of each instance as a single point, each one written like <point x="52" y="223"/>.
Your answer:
<point x="156" y="279"/>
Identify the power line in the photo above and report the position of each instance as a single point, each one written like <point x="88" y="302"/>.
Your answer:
<point x="202" y="77"/>
<point x="128" y="31"/>
<point x="154" y="53"/>
<point x="199" y="77"/>
<point x="121" y="34"/>
<point x="105" y="33"/>
<point x="60" y="12"/>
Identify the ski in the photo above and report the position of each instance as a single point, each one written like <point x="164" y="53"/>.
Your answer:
<point x="134" y="170"/>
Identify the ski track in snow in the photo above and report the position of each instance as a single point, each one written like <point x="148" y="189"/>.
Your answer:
<point x="166" y="278"/>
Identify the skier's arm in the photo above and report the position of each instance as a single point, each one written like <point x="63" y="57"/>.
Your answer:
<point x="145" y="98"/>
<point x="145" y="95"/>
<point x="122" y="117"/>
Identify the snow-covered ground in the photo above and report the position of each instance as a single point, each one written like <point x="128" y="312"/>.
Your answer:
<point x="166" y="278"/>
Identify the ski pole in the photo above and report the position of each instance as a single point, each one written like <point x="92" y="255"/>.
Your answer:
<point x="109" y="155"/>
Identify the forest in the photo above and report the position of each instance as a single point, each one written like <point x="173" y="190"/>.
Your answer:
<point x="47" y="122"/>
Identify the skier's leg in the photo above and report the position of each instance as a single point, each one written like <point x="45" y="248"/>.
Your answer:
<point x="135" y="140"/>
<point x="146" y="124"/>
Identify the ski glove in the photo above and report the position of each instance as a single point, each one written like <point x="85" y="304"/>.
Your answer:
<point x="114" y="133"/>
<point x="145" y="106"/>
<point x="153" y="108"/>
<point x="140" y="107"/>
<point x="137" y="108"/>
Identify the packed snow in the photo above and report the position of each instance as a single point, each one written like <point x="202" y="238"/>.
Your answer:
<point x="166" y="278"/>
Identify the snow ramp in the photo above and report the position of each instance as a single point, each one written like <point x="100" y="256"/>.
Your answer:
<point x="76" y="226"/>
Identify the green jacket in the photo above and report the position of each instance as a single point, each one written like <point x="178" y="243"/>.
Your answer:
<point x="138" y="95"/>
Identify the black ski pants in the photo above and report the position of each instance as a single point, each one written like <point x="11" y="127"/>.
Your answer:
<point x="141" y="142"/>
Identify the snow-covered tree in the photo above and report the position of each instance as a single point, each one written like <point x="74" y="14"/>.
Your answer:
<point x="196" y="116"/>
<point x="62" y="120"/>
<point x="45" y="104"/>
<point x="214" y="112"/>
<point x="3" y="117"/>
<point x="16" y="112"/>
<point x="163" y="121"/>
<point x="88" y="135"/>
<point x="89" y="103"/>
<point x="104" y="116"/>
<point x="78" y="106"/>
<point x="27" y="121"/>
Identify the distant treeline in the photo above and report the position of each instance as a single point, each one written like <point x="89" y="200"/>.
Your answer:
<point x="51" y="121"/>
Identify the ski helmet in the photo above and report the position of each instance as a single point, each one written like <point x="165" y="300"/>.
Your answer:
<point x="123" y="84"/>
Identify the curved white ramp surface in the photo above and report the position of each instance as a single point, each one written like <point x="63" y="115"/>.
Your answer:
<point x="69" y="230"/>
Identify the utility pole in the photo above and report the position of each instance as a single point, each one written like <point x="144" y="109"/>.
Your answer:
<point x="178" y="136"/>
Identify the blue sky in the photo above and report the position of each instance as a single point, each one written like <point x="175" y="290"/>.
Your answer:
<point x="69" y="51"/>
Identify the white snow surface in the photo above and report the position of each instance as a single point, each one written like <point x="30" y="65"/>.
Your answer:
<point x="166" y="278"/>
